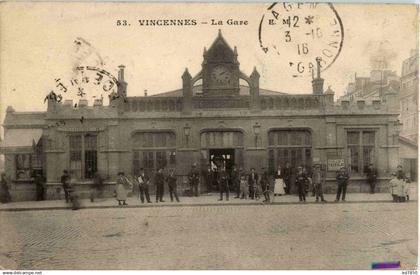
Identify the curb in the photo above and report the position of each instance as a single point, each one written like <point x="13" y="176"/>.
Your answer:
<point x="190" y="205"/>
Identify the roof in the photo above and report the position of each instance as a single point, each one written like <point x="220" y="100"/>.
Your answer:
<point x="243" y="90"/>
<point x="21" y="137"/>
<point x="24" y="118"/>
<point x="408" y="142"/>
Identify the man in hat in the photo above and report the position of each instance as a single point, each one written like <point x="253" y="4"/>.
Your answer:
<point x="318" y="179"/>
<point x="208" y="176"/>
<point x="265" y="184"/>
<point x="194" y="177"/>
<point x="144" y="182"/>
<point x="287" y="174"/>
<point x="159" y="182"/>
<point x="301" y="181"/>
<point x="371" y="177"/>
<point x="172" y="185"/>
<point x="252" y="182"/>
<point x="223" y="180"/>
<point x="65" y="181"/>
<point x="235" y="182"/>
<point x="342" y="180"/>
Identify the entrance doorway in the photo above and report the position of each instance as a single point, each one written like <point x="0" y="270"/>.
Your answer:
<point x="226" y="157"/>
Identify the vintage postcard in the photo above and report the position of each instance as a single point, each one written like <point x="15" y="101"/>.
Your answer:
<point x="208" y="136"/>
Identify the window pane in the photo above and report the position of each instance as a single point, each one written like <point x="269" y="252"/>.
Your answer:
<point x="282" y="137"/>
<point x="90" y="164"/>
<point x="160" y="159"/>
<point x="296" y="138"/>
<point x="368" y="157"/>
<point x="353" y="138"/>
<point x="90" y="142"/>
<point x="271" y="138"/>
<point x="75" y="142"/>
<point x="368" y="138"/>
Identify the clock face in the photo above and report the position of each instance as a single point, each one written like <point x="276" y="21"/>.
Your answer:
<point x="221" y="75"/>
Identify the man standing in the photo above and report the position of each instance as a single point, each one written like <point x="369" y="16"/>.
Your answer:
<point x="223" y="181"/>
<point x="318" y="179"/>
<point x="342" y="180"/>
<point x="371" y="178"/>
<point x="98" y="185"/>
<point x="159" y="182"/>
<point x="404" y="180"/>
<point x="265" y="185"/>
<point x="234" y="177"/>
<point x="287" y="173"/>
<point x="194" y="180"/>
<point x="172" y="185"/>
<point x="252" y="182"/>
<point x="4" y="189"/>
<point x="301" y="181"/>
<point x="65" y="181"/>
<point x="208" y="177"/>
<point x="144" y="182"/>
<point x="39" y="183"/>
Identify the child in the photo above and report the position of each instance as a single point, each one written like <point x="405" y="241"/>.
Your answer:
<point x="244" y="185"/>
<point x="394" y="183"/>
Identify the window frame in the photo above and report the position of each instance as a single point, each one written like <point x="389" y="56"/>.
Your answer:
<point x="361" y="146"/>
<point x="83" y="174"/>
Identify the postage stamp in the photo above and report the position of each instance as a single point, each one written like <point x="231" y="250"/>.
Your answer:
<point x="300" y="33"/>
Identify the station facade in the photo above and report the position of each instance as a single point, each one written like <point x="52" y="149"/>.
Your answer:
<point x="248" y="126"/>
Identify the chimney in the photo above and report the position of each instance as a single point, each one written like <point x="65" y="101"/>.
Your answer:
<point x="318" y="82"/>
<point x="122" y="85"/>
<point x="145" y="92"/>
<point x="255" y="90"/>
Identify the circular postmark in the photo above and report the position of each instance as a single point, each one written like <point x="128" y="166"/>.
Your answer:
<point x="302" y="34"/>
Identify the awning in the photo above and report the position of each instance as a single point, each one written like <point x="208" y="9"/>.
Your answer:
<point x="21" y="137"/>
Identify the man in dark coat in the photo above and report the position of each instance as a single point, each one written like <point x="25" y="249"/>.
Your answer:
<point x="287" y="174"/>
<point x="65" y="181"/>
<point x="252" y="182"/>
<point x="301" y="182"/>
<point x="4" y="189"/>
<point x="235" y="183"/>
<point x="97" y="188"/>
<point x="144" y="182"/>
<point x="371" y="177"/>
<point x="265" y="184"/>
<point x="342" y="181"/>
<point x="208" y="177"/>
<point x="159" y="182"/>
<point x="194" y="178"/>
<point x="223" y="181"/>
<point x="39" y="183"/>
<point x="172" y="185"/>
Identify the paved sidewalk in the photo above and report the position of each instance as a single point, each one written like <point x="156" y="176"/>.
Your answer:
<point x="203" y="200"/>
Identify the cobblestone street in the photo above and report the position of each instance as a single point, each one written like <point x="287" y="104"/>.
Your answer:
<point x="311" y="236"/>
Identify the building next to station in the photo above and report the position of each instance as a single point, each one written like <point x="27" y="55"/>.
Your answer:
<point x="247" y="125"/>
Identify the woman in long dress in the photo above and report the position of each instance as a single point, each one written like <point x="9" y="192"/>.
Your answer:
<point x="279" y="182"/>
<point x="121" y="189"/>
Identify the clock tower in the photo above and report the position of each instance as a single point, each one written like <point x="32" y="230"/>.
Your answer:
<point x="220" y="69"/>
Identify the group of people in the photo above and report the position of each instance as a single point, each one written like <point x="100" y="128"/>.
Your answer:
<point x="244" y="184"/>
<point x="400" y="186"/>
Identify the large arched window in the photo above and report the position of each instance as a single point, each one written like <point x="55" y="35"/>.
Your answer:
<point x="153" y="150"/>
<point x="292" y="146"/>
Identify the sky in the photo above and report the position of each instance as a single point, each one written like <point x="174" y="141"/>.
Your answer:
<point x="37" y="43"/>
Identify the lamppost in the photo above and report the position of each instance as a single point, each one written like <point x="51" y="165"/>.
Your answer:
<point x="257" y="130"/>
<point x="187" y="132"/>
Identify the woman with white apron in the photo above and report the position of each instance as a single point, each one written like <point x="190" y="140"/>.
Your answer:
<point x="279" y="182"/>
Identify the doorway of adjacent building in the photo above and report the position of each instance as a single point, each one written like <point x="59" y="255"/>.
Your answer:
<point x="227" y="157"/>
